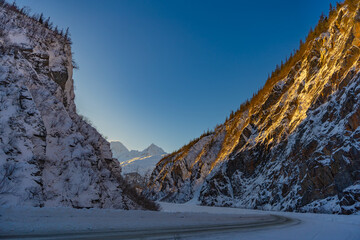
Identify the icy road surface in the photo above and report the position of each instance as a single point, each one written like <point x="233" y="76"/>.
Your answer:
<point x="311" y="226"/>
<point x="176" y="221"/>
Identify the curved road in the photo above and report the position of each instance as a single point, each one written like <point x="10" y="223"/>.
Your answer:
<point x="263" y="221"/>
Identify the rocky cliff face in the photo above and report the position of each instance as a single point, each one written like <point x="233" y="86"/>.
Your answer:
<point x="294" y="147"/>
<point x="49" y="156"/>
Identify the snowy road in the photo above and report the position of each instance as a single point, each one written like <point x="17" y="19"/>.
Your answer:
<point x="259" y="222"/>
<point x="175" y="221"/>
<point x="311" y="226"/>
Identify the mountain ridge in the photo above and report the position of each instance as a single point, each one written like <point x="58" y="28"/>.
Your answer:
<point x="142" y="162"/>
<point x="137" y="165"/>
<point x="294" y="146"/>
<point x="122" y="153"/>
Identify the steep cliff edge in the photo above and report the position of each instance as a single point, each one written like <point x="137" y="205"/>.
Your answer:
<point x="49" y="156"/>
<point x="295" y="146"/>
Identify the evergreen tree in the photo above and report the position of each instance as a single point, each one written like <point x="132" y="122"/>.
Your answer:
<point x="41" y="18"/>
<point x="338" y="5"/>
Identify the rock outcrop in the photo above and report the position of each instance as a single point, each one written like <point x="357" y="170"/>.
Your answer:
<point x="295" y="146"/>
<point x="49" y="156"/>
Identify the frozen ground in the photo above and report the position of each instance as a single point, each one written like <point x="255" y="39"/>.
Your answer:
<point x="195" y="222"/>
<point x="311" y="226"/>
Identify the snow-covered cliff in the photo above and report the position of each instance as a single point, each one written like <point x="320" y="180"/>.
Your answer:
<point x="295" y="146"/>
<point x="49" y="156"/>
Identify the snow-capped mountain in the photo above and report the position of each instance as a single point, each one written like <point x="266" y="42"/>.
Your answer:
<point x="142" y="165"/>
<point x="295" y="146"/>
<point x="142" y="162"/>
<point x="49" y="156"/>
<point x="153" y="150"/>
<point x="119" y="150"/>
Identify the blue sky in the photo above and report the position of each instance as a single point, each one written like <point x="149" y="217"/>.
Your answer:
<point x="162" y="71"/>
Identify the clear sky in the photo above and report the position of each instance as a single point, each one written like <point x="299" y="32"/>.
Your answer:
<point x="164" y="71"/>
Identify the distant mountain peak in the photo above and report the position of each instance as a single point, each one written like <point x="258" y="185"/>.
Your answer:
<point x="153" y="150"/>
<point x="137" y="161"/>
<point x="122" y="153"/>
<point x="118" y="148"/>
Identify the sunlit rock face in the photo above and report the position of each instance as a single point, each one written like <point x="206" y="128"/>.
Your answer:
<point x="49" y="156"/>
<point x="294" y="147"/>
